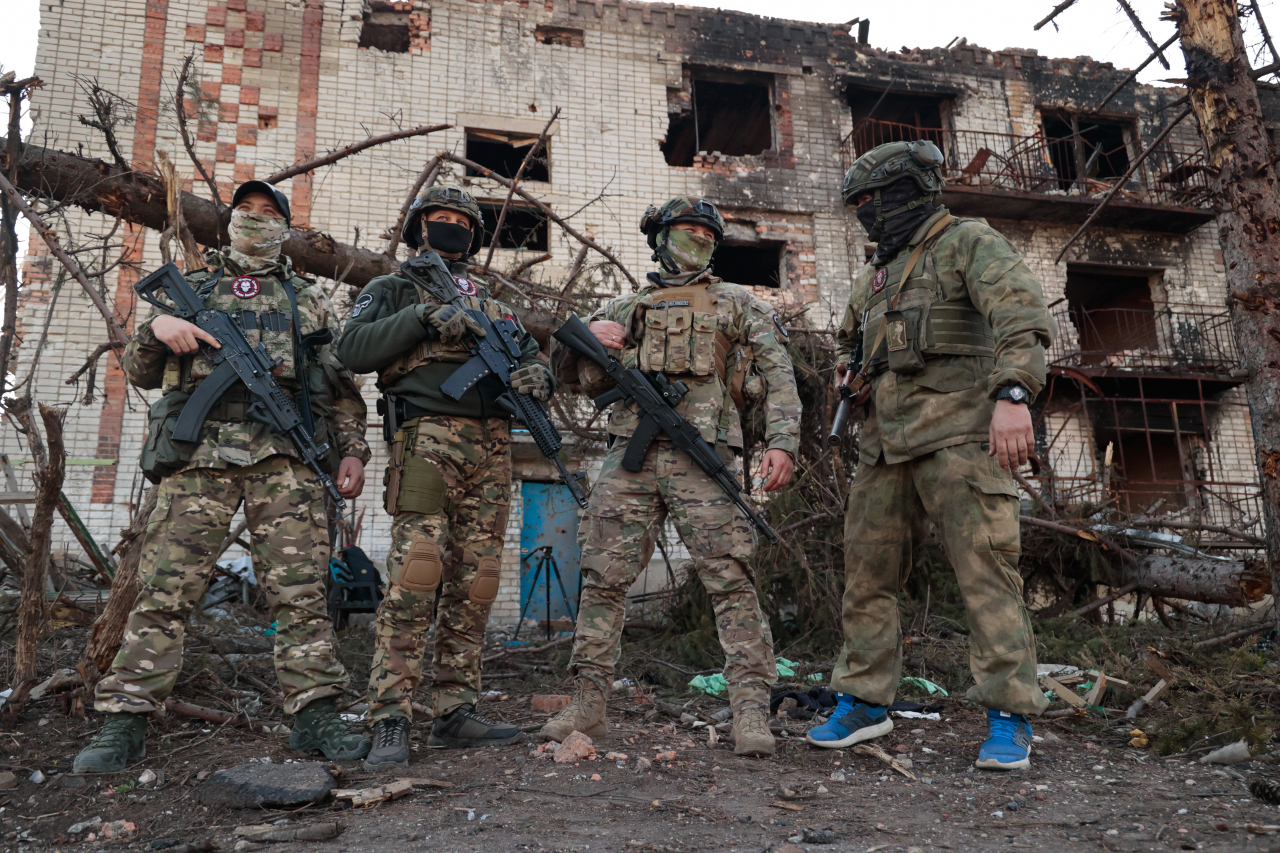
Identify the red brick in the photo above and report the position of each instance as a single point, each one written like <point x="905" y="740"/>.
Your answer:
<point x="226" y="152"/>
<point x="195" y="32"/>
<point x="235" y="5"/>
<point x="273" y="41"/>
<point x="229" y="113"/>
<point x="248" y="94"/>
<point x="216" y="16"/>
<point x="226" y="189"/>
<point x="247" y="134"/>
<point x="231" y="75"/>
<point x="254" y="22"/>
<point x="213" y="53"/>
<point x="548" y="703"/>
<point x="253" y="57"/>
<point x="244" y="172"/>
<point x="187" y="184"/>
<point x="235" y="36"/>
<point x="268" y="112"/>
<point x="190" y="107"/>
<point x="207" y="132"/>
<point x="211" y="89"/>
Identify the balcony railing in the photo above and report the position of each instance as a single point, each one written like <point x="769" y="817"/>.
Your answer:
<point x="1172" y="175"/>
<point x="1171" y="337"/>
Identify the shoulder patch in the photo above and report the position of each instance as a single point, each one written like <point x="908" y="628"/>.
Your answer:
<point x="362" y="303"/>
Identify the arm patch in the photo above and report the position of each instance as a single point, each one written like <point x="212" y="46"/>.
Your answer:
<point x="362" y="303"/>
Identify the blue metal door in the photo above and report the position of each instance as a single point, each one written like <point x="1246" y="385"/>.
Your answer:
<point x="550" y="519"/>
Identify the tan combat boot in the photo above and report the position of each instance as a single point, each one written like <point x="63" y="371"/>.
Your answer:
<point x="751" y="735"/>
<point x="584" y="714"/>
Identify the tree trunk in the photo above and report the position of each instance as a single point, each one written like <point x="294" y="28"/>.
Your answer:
<point x="108" y="630"/>
<point x="50" y="466"/>
<point x="1225" y="100"/>
<point x="1237" y="583"/>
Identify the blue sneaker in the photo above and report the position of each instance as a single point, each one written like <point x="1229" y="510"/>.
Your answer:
<point x="1008" y="745"/>
<point x="852" y="721"/>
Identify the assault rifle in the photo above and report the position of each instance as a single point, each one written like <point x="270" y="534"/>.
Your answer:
<point x="496" y="353"/>
<point x="237" y="361"/>
<point x="657" y="396"/>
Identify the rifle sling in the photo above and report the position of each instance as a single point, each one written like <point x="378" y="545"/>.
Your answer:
<point x="299" y="354"/>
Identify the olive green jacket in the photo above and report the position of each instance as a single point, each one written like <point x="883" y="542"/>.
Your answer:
<point x="389" y="321"/>
<point x="952" y="400"/>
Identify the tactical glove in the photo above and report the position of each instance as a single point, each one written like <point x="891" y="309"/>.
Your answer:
<point x="448" y="324"/>
<point x="533" y="379"/>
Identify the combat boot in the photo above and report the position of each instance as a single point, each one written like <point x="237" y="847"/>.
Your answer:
<point x="463" y="728"/>
<point x="584" y="714"/>
<point x="750" y="734"/>
<point x="390" y="744"/>
<point x="120" y="740"/>
<point x="320" y="728"/>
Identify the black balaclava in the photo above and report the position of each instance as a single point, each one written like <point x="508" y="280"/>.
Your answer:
<point x="447" y="238"/>
<point x="896" y="230"/>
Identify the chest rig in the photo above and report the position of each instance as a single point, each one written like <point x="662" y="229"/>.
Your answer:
<point x="426" y="352"/>
<point x="679" y="333"/>
<point x="908" y="318"/>
<point x="266" y="309"/>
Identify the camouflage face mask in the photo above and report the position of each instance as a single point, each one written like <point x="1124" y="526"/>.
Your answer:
<point x="683" y="256"/>
<point x="255" y="238"/>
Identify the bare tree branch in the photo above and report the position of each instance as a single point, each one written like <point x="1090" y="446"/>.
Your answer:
<point x="106" y="116"/>
<point x="1142" y="31"/>
<point x="335" y="156"/>
<point x="425" y="178"/>
<point x="185" y="83"/>
<point x="1057" y="10"/>
<point x="1266" y="34"/>
<point x="1133" y="75"/>
<point x="511" y="191"/>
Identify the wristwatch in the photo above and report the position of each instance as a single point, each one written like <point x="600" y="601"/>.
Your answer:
<point x="1014" y="394"/>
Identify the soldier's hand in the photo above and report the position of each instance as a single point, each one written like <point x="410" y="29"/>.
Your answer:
<point x="533" y="379"/>
<point x="350" y="478"/>
<point x="609" y="333"/>
<point x="180" y="336"/>
<point x="1011" y="435"/>
<point x="776" y="469"/>
<point x="452" y="323"/>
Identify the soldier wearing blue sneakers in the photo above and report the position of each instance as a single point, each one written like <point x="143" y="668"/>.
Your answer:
<point x="950" y="328"/>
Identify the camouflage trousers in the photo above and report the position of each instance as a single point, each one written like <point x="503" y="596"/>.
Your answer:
<point x="289" y="532"/>
<point x="617" y="538"/>
<point x="974" y="504"/>
<point x="451" y="547"/>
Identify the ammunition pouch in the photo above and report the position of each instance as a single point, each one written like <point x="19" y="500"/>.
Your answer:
<point x="680" y="333"/>
<point x="413" y="484"/>
<point x="902" y="334"/>
<point x="161" y="455"/>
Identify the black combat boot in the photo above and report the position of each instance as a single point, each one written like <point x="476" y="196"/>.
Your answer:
<point x="462" y="728"/>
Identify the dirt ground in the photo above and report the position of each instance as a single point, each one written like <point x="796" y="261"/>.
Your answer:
<point x="1087" y="788"/>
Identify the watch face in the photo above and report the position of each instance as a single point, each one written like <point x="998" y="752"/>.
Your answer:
<point x="1017" y="395"/>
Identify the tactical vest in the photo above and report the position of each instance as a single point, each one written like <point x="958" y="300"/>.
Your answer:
<point x="428" y="351"/>
<point x="680" y="335"/>
<point x="265" y="316"/>
<point x="919" y="322"/>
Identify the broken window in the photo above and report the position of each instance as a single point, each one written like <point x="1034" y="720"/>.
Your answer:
<point x="502" y="152"/>
<point x="880" y="116"/>
<point x="1113" y="313"/>
<point x="564" y="36"/>
<point x="728" y="113"/>
<point x="385" y="27"/>
<point x="757" y="264"/>
<point x="524" y="228"/>
<point x="1085" y="147"/>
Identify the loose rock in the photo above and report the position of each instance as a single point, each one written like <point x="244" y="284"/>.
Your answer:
<point x="251" y="786"/>
<point x="575" y="747"/>
<point x="8" y="781"/>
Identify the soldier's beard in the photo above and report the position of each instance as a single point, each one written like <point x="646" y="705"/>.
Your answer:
<point x="255" y="238"/>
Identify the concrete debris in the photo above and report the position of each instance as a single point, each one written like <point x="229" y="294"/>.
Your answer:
<point x="77" y="828"/>
<point x="250" y="786"/>
<point x="148" y="777"/>
<point x="8" y="781"/>
<point x="575" y="747"/>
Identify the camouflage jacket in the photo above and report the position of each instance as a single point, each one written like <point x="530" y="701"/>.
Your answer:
<point x="749" y="324"/>
<point x="387" y="334"/>
<point x="336" y="401"/>
<point x="951" y="401"/>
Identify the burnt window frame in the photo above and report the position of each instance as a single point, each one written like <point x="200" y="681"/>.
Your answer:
<point x="491" y="208"/>
<point x="690" y="77"/>
<point x="1080" y="122"/>
<point x="488" y="136"/>
<point x="778" y="246"/>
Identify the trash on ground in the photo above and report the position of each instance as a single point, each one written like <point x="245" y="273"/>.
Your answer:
<point x="1232" y="753"/>
<point x="924" y="684"/>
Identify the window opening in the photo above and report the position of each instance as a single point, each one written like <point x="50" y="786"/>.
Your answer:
<point x="750" y="264"/>
<point x="563" y="36"/>
<point x="1085" y="147"/>
<point x="895" y="117"/>
<point x="385" y="28"/>
<point x="524" y="228"/>
<point x="733" y="116"/>
<point x="1113" y="313"/>
<point x="502" y="153"/>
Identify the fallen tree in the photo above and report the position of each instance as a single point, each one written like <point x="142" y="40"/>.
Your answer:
<point x="1237" y="583"/>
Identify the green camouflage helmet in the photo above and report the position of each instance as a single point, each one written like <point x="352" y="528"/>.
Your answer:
<point x="681" y="209"/>
<point x="450" y="198"/>
<point x="891" y="162"/>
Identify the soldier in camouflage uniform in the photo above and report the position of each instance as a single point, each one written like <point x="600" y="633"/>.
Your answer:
<point x="729" y="348"/>
<point x="448" y="485"/>
<point x="235" y="461"/>
<point x="949" y="329"/>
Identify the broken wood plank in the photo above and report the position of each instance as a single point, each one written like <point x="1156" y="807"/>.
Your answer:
<point x="1095" y="694"/>
<point x="1066" y="694"/>
<point x="876" y="752"/>
<point x="7" y="498"/>
<point x="360" y="797"/>
<point x="779" y="804"/>
<point x="267" y="832"/>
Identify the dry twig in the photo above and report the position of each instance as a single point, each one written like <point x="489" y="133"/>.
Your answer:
<point x="334" y="156"/>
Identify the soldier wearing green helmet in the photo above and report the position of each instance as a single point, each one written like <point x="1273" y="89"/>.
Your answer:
<point x="944" y="340"/>
<point x="728" y="347"/>
<point x="448" y="485"/>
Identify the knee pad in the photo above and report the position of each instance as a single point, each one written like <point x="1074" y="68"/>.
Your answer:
<point x="484" y="588"/>
<point x="422" y="565"/>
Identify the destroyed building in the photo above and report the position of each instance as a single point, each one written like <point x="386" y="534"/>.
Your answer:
<point x="760" y="115"/>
